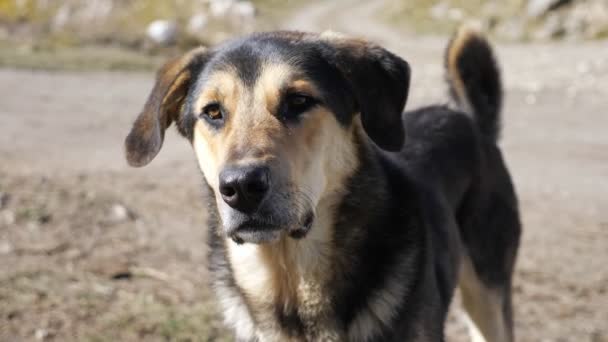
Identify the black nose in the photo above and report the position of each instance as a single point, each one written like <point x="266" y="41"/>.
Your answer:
<point x="244" y="187"/>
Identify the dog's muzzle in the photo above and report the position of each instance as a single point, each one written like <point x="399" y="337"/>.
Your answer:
<point x="252" y="213"/>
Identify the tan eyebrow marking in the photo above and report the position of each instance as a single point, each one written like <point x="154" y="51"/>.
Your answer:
<point x="222" y="86"/>
<point x="304" y="86"/>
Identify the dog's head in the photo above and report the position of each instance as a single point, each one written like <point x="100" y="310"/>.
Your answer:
<point x="274" y="120"/>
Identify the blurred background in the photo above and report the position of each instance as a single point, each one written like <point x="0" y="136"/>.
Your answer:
<point x="73" y="31"/>
<point x="91" y="250"/>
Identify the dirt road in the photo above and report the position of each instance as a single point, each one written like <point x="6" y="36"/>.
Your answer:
<point x="91" y="249"/>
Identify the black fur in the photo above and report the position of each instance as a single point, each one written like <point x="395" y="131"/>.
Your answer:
<point x="476" y="68"/>
<point x="379" y="81"/>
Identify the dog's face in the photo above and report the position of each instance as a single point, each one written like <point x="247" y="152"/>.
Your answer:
<point x="275" y="120"/>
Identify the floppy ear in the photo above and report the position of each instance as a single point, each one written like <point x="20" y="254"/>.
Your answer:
<point x="162" y="107"/>
<point x="380" y="81"/>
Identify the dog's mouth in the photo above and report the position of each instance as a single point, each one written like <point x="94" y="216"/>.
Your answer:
<point x="260" y="231"/>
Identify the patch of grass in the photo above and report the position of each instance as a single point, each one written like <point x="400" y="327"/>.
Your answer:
<point x="14" y="11"/>
<point x="72" y="58"/>
<point x="111" y="41"/>
<point x="415" y="15"/>
<point x="146" y="319"/>
<point x="36" y="213"/>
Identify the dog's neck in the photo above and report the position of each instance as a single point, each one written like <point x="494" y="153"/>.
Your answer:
<point x="288" y="279"/>
<point x="294" y="277"/>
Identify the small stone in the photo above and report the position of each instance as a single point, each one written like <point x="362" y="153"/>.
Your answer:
<point x="244" y="9"/>
<point x="220" y="8"/>
<point x="62" y="17"/>
<point x="162" y="32"/>
<point x="197" y="24"/>
<point x="120" y="213"/>
<point x="41" y="334"/>
<point x="102" y="289"/>
<point x="439" y="11"/>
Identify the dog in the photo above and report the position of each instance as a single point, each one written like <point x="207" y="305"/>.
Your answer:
<point x="333" y="214"/>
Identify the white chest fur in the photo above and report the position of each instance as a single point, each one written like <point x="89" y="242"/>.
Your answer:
<point x="288" y="274"/>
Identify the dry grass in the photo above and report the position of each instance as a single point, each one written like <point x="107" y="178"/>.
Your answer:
<point x="416" y="15"/>
<point x="115" y="41"/>
<point x="72" y="272"/>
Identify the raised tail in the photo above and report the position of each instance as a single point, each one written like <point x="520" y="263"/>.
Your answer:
<point x="474" y="79"/>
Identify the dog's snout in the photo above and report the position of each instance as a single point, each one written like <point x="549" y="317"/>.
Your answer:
<point x="244" y="187"/>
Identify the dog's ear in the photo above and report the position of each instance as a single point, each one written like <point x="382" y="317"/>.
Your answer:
<point x="162" y="107"/>
<point x="380" y="82"/>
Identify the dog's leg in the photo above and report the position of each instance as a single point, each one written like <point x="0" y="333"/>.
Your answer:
<point x="488" y="308"/>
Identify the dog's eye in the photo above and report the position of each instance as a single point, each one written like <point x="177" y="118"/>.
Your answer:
<point x="299" y="102"/>
<point x="296" y="104"/>
<point x="212" y="111"/>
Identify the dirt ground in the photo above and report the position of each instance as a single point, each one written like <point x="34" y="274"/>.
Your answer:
<point x="93" y="250"/>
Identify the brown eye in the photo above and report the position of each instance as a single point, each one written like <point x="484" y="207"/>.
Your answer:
<point x="296" y="104"/>
<point x="212" y="111"/>
<point x="298" y="100"/>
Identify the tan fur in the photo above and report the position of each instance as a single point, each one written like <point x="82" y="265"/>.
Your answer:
<point x="222" y="86"/>
<point x="317" y="156"/>
<point x="269" y="84"/>
<point x="209" y="146"/>
<point x="146" y="137"/>
<point x="459" y="42"/>
<point x="484" y="306"/>
<point x="357" y="46"/>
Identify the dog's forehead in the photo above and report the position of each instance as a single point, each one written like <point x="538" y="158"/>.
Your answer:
<point x="247" y="58"/>
<point x="279" y="59"/>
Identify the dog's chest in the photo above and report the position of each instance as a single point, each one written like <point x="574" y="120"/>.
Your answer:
<point x="285" y="288"/>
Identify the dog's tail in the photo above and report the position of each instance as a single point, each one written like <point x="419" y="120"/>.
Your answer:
<point x="474" y="79"/>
